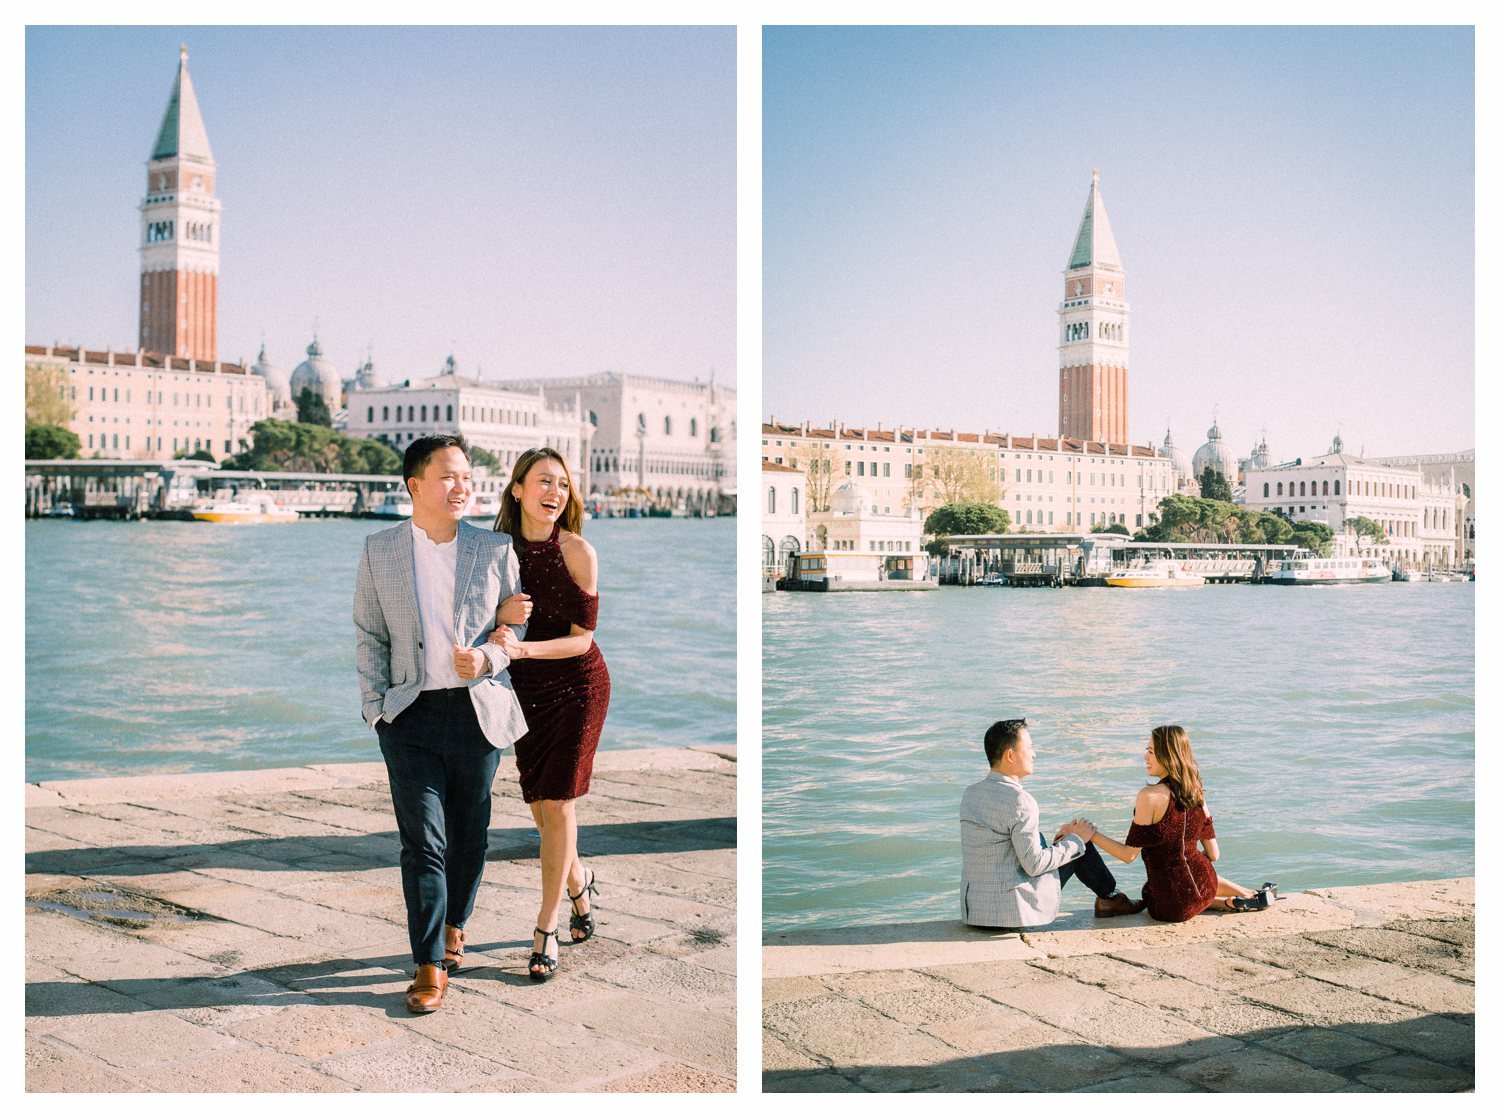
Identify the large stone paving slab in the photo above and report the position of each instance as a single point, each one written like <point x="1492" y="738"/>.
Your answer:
<point x="1346" y="991"/>
<point x="265" y="946"/>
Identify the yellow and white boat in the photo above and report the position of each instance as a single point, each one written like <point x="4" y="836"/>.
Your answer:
<point x="1155" y="574"/>
<point x="258" y="508"/>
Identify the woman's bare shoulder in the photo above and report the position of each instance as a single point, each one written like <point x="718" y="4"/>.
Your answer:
<point x="1151" y="803"/>
<point x="581" y="560"/>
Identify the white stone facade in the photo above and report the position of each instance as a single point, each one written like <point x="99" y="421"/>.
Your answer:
<point x="783" y="520"/>
<point x="673" y="439"/>
<point x="504" y="421"/>
<point x="1423" y="519"/>
<point x="1047" y="484"/>
<point x="145" y="405"/>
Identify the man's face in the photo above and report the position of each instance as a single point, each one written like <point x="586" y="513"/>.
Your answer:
<point x="443" y="489"/>
<point x="1023" y="755"/>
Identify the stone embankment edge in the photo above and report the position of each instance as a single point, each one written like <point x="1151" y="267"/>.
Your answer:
<point x="938" y="943"/>
<point x="126" y="789"/>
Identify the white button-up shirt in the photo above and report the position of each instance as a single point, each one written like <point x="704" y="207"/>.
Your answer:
<point x="436" y="566"/>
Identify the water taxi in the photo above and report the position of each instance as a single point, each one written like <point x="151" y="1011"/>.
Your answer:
<point x="1308" y="570"/>
<point x="1157" y="573"/>
<point x="257" y="508"/>
<point x="395" y="505"/>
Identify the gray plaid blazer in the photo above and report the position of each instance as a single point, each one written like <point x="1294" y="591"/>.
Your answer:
<point x="388" y="629"/>
<point x="1010" y="873"/>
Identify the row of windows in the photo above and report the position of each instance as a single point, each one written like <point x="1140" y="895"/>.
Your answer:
<point x="179" y="399"/>
<point x="607" y="463"/>
<point x="112" y="442"/>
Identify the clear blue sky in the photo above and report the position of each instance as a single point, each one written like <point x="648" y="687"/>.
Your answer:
<point x="537" y="201"/>
<point x="1294" y="206"/>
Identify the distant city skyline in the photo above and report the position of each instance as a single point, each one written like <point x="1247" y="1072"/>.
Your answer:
<point x="1294" y="208"/>
<point x="537" y="202"/>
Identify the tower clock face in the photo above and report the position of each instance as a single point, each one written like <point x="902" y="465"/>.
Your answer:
<point x="1109" y="289"/>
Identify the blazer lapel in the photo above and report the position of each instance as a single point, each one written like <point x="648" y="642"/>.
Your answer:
<point x="406" y="567"/>
<point x="468" y="552"/>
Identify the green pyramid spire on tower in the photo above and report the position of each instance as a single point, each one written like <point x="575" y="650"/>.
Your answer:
<point x="182" y="132"/>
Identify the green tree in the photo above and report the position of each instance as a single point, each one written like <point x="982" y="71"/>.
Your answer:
<point x="1120" y="529"/>
<point x="1216" y="486"/>
<point x="366" y="456"/>
<point x="1313" y="535"/>
<point x="967" y="519"/>
<point x="481" y="457"/>
<point x="49" y="392"/>
<point x="1362" y="528"/>
<point x="45" y="440"/>
<point x="311" y="409"/>
<point x="203" y="455"/>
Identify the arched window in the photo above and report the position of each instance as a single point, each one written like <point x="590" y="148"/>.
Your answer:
<point x="794" y="500"/>
<point x="370" y="416"/>
<point x="1325" y="489"/>
<point x="666" y="425"/>
<point x="771" y="501"/>
<point x="1267" y="490"/>
<point x="693" y="427"/>
<point x="450" y="413"/>
<point x="640" y="420"/>
<point x="1336" y="488"/>
<point x="1278" y="489"/>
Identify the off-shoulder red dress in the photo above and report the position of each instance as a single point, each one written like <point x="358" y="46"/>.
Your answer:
<point x="564" y="700"/>
<point x="1180" y="880"/>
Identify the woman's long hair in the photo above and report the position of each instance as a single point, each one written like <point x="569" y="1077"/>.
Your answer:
<point x="509" y="520"/>
<point x="1173" y="752"/>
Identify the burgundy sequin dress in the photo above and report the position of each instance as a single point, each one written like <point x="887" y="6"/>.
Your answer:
<point x="564" y="700"/>
<point x="1180" y="880"/>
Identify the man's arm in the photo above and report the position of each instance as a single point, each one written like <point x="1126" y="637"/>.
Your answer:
<point x="509" y="585"/>
<point x="1026" y="839"/>
<point x="372" y="641"/>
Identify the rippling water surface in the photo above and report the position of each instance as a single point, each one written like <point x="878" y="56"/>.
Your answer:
<point x="177" y="647"/>
<point x="1334" y="727"/>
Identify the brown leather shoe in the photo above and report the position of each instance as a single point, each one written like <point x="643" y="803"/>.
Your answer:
<point x="453" y="947"/>
<point x="1118" y="905"/>
<point x="426" y="991"/>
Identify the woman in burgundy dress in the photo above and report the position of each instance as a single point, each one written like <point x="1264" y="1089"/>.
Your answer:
<point x="1171" y="824"/>
<point x="559" y="677"/>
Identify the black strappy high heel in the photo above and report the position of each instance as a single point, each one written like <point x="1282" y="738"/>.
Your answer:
<point x="548" y="963"/>
<point x="582" y="921"/>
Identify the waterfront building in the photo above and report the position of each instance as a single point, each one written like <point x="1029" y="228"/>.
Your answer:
<point x="783" y="522"/>
<point x="1094" y="334"/>
<point x="1456" y="471"/>
<point x="1422" y="518"/>
<point x="180" y="233"/>
<point x="669" y="440"/>
<point x="1046" y="484"/>
<point x="502" y="420"/>
<point x="146" y="405"/>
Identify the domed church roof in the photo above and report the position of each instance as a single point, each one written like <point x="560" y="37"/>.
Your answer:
<point x="1214" y="455"/>
<point x="319" y="375"/>
<point x="277" y="382"/>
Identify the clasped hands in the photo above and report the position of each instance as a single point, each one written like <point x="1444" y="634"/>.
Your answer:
<point x="471" y="663"/>
<point x="1080" y="827"/>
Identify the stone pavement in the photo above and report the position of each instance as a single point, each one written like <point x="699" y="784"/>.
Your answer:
<point x="245" y="931"/>
<point x="1357" y="989"/>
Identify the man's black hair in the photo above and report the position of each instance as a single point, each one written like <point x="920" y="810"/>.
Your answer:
<point x="421" y="450"/>
<point x="1001" y="736"/>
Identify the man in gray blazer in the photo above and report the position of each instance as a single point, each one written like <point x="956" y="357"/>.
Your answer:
<point x="1012" y="878"/>
<point x="434" y="688"/>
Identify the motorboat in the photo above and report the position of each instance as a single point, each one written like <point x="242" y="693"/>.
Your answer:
<point x="1157" y="573"/>
<point x="256" y="508"/>
<point x="1309" y="570"/>
<point x="395" y="505"/>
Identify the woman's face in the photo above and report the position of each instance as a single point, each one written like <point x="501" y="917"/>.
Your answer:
<point x="1153" y="766"/>
<point x="543" y="493"/>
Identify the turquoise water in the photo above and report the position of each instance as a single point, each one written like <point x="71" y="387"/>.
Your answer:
<point x="1334" y="727"/>
<point x="181" y="647"/>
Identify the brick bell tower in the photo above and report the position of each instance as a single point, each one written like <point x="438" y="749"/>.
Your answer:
<point x="1094" y="342"/>
<point x="180" y="233"/>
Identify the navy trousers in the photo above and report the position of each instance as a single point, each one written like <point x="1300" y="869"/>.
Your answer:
<point x="441" y="768"/>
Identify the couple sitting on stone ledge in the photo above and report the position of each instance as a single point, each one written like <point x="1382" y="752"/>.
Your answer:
<point x="1013" y="877"/>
